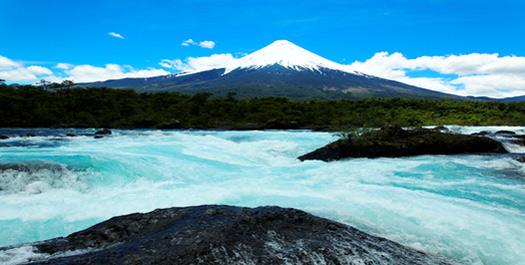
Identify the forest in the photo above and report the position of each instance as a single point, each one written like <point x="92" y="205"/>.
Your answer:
<point x="64" y="105"/>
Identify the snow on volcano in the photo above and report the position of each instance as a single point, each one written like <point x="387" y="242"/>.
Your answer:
<point x="287" y="54"/>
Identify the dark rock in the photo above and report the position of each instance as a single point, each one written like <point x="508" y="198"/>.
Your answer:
<point x="504" y="132"/>
<point x="70" y="135"/>
<point x="518" y="141"/>
<point x="31" y="167"/>
<point x="98" y="136"/>
<point x="393" y="141"/>
<point x="104" y="132"/>
<point x="482" y="133"/>
<point x="3" y="137"/>
<point x="21" y="177"/>
<point x="30" y="135"/>
<point x="215" y="234"/>
<point x="441" y="128"/>
<point x="520" y="159"/>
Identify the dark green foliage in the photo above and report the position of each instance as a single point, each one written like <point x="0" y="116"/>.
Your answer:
<point x="61" y="106"/>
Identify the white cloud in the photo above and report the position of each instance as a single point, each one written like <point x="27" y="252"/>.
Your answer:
<point x="14" y="72"/>
<point x="493" y="84"/>
<point x="89" y="73"/>
<point x="6" y="63"/>
<point x="188" y="42"/>
<point x="176" y="64"/>
<point x="116" y="35"/>
<point x="203" y="44"/>
<point x="472" y="74"/>
<point x="210" y="62"/>
<point x="207" y="44"/>
<point x="20" y="75"/>
<point x="39" y="70"/>
<point x="196" y="64"/>
<point x="382" y="65"/>
<point x="64" y="66"/>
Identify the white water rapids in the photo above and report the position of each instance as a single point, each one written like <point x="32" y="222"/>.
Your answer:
<point x="468" y="208"/>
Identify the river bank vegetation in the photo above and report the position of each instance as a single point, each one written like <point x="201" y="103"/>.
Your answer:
<point x="67" y="106"/>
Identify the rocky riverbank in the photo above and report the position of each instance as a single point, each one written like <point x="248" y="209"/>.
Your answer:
<point x="393" y="141"/>
<point x="217" y="234"/>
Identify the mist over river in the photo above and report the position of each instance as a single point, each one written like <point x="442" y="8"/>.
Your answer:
<point x="467" y="208"/>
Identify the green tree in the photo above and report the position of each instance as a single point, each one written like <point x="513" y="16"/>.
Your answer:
<point x="44" y="84"/>
<point x="68" y="84"/>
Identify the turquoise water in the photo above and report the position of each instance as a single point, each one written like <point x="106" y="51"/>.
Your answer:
<point x="470" y="209"/>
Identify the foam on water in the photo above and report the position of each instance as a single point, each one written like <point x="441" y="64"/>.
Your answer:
<point x="20" y="254"/>
<point x="26" y="253"/>
<point x="467" y="208"/>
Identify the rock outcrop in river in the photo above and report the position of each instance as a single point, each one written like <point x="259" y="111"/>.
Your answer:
<point x="215" y="234"/>
<point x="393" y="141"/>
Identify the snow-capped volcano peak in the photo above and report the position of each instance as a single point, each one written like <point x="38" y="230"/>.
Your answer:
<point x="287" y="54"/>
<point x="280" y="69"/>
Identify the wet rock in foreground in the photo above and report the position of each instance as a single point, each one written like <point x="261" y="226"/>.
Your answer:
<point x="214" y="234"/>
<point x="393" y="141"/>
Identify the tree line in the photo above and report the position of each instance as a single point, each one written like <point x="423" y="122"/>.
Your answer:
<point x="64" y="105"/>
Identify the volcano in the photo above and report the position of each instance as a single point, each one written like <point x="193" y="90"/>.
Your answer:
<point x="281" y="69"/>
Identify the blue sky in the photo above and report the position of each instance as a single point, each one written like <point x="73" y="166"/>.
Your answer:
<point x="463" y="47"/>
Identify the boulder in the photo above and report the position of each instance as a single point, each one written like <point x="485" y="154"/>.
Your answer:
<point x="218" y="234"/>
<point x="104" y="132"/>
<point x="501" y="132"/>
<point x="393" y="141"/>
<point x="505" y="132"/>
<point x="441" y="128"/>
<point x="3" y="137"/>
<point x="520" y="159"/>
<point x="482" y="133"/>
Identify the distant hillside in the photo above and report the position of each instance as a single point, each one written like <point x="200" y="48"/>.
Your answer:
<point x="509" y="99"/>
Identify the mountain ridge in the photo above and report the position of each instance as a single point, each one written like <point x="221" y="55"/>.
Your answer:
<point x="279" y="69"/>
